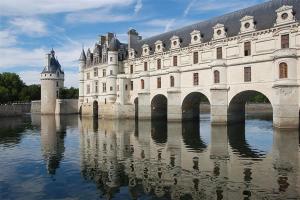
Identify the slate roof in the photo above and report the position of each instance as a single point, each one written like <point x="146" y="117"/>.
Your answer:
<point x="264" y="16"/>
<point x="53" y="64"/>
<point x="114" y="44"/>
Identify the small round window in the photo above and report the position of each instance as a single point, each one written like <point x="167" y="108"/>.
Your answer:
<point x="219" y="32"/>
<point x="195" y="37"/>
<point x="247" y="25"/>
<point x="175" y="43"/>
<point x="284" y="16"/>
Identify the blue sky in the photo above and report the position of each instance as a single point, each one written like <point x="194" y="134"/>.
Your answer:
<point x="30" y="28"/>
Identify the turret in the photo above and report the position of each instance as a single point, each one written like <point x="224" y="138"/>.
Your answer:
<point x="52" y="80"/>
<point x="82" y="64"/>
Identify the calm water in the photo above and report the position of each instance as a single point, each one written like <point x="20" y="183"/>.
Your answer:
<point x="48" y="157"/>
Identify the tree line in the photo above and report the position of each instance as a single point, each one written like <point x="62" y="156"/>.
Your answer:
<point x="13" y="89"/>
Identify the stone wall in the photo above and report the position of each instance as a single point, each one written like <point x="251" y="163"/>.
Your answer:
<point x="66" y="106"/>
<point x="35" y="107"/>
<point x="14" y="109"/>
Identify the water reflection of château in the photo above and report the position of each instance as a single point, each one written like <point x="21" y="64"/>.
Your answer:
<point x="172" y="161"/>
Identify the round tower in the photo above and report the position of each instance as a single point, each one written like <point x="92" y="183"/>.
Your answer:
<point x="52" y="80"/>
<point x="82" y="63"/>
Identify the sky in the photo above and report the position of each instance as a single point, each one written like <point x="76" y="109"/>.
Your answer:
<point x="30" y="28"/>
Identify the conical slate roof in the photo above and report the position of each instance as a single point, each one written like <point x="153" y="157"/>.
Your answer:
<point x="53" y="64"/>
<point x="82" y="56"/>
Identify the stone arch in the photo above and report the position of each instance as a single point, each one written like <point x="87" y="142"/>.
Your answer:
<point x="95" y="108"/>
<point x="136" y="108"/>
<point x="159" y="107"/>
<point x="191" y="105"/>
<point x="237" y="104"/>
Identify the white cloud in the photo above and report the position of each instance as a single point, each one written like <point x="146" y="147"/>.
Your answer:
<point x="7" y="38"/>
<point x="138" y="6"/>
<point x="34" y="7"/>
<point x="188" y="8"/>
<point x="159" y="22"/>
<point x="29" y="26"/>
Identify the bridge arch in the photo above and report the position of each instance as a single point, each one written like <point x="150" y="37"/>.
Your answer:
<point x="191" y="105"/>
<point x="159" y="107"/>
<point x="237" y="104"/>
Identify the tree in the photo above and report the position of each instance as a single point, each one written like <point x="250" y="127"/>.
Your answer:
<point x="30" y="93"/>
<point x="12" y="84"/>
<point x="71" y="93"/>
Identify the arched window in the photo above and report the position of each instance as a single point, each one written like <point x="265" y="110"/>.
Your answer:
<point x="172" y="81"/>
<point x="283" y="70"/>
<point x="142" y="84"/>
<point x="216" y="76"/>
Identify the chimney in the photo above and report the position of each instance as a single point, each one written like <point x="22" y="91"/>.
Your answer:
<point x="102" y="39"/>
<point x="109" y="37"/>
<point x="133" y="37"/>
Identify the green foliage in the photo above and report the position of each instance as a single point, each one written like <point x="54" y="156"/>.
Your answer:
<point x="71" y="93"/>
<point x="30" y="93"/>
<point x="11" y="86"/>
<point x="259" y="98"/>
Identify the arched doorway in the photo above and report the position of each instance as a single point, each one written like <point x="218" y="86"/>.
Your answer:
<point x="191" y="106"/>
<point x="95" y="109"/>
<point x="250" y="104"/>
<point x="136" y="108"/>
<point x="159" y="107"/>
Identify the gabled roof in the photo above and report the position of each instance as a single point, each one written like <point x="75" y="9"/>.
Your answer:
<point x="264" y="15"/>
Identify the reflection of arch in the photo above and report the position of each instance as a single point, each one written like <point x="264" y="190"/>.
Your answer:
<point x="159" y="107"/>
<point x="136" y="108"/>
<point x="80" y="110"/>
<point x="159" y="131"/>
<point x="191" y="136"/>
<point x="95" y="108"/>
<point x="191" y="105"/>
<point x="238" y="142"/>
<point x="236" y="108"/>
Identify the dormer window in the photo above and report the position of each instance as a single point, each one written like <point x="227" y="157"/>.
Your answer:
<point x="146" y="49"/>
<point x="219" y="31"/>
<point x="131" y="53"/>
<point x="175" y="42"/>
<point x="247" y="24"/>
<point x="195" y="37"/>
<point x="285" y="15"/>
<point x="158" y="46"/>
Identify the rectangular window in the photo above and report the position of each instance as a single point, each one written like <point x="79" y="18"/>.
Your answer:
<point x="247" y="48"/>
<point x="88" y="89"/>
<point x="88" y="75"/>
<point x="196" y="79"/>
<point x="111" y="88"/>
<point x="131" y="69"/>
<point x="159" y="82"/>
<point x="196" y="58"/>
<point x="285" y="41"/>
<point x="104" y="73"/>
<point x="110" y="58"/>
<point x="247" y="74"/>
<point x="95" y="72"/>
<point x="131" y="85"/>
<point x="219" y="53"/>
<point x="145" y="66"/>
<point x="56" y="83"/>
<point x="175" y="61"/>
<point x="96" y="86"/>
<point x="111" y="72"/>
<point x="104" y="87"/>
<point x="158" y="63"/>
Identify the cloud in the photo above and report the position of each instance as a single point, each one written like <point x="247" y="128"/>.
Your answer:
<point x="159" y="22"/>
<point x="138" y="6"/>
<point x="188" y="8"/>
<point x="29" y="26"/>
<point x="35" y="7"/>
<point x="7" y="39"/>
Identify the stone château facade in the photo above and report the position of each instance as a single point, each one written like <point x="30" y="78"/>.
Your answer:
<point x="228" y="59"/>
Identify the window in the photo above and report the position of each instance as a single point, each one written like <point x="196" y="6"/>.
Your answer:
<point x="145" y="66"/>
<point x="175" y="61"/>
<point x="285" y="41"/>
<point x="196" y="57"/>
<point x="111" y="72"/>
<point x="196" y="78"/>
<point x="247" y="74"/>
<point x="104" y="72"/>
<point x="219" y="53"/>
<point x="57" y="94"/>
<point x="104" y="87"/>
<point x="88" y="89"/>
<point x="126" y="87"/>
<point x="95" y="72"/>
<point x="96" y="86"/>
<point x="158" y="63"/>
<point x="158" y="82"/>
<point x="131" y="85"/>
<point x="172" y="81"/>
<point x="118" y="88"/>
<point x="56" y="83"/>
<point x="88" y="76"/>
<point x="247" y="48"/>
<point x="142" y="84"/>
<point x="131" y="69"/>
<point x="283" y="70"/>
<point x="111" y="88"/>
<point x="110" y="58"/>
<point x="216" y="76"/>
